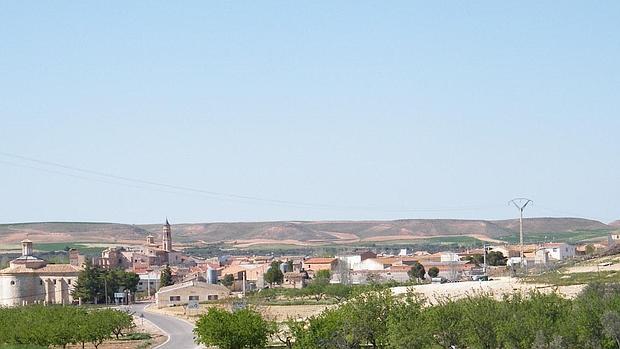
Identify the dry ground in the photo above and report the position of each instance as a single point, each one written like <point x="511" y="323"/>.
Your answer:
<point x="271" y="312"/>
<point x="498" y="287"/>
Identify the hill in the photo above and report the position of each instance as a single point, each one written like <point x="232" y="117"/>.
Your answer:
<point x="300" y="232"/>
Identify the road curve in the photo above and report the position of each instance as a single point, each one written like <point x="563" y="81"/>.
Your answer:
<point x="180" y="335"/>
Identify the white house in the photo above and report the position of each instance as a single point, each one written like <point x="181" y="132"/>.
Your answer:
<point x="354" y="260"/>
<point x="149" y="282"/>
<point x="613" y="238"/>
<point x="370" y="264"/>
<point x="560" y="251"/>
<point x="190" y="291"/>
<point x="450" y="257"/>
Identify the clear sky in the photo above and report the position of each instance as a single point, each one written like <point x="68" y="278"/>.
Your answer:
<point x="318" y="110"/>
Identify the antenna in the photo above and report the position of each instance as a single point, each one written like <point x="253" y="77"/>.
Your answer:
<point x="521" y="204"/>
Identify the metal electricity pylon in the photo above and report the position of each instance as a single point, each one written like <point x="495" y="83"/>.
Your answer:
<point x="520" y="204"/>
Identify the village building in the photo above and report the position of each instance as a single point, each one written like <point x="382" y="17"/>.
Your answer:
<point x="353" y="260"/>
<point x="193" y="290"/>
<point x="559" y="251"/>
<point x="30" y="280"/>
<point x="295" y="279"/>
<point x="613" y="238"/>
<point x="312" y="265"/>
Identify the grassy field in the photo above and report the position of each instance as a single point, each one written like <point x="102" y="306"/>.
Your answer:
<point x="569" y="236"/>
<point x="566" y="279"/>
<point x="65" y="246"/>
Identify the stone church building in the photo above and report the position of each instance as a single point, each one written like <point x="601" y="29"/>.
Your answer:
<point x="29" y="280"/>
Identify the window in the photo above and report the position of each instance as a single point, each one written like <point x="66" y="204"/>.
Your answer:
<point x="40" y="282"/>
<point x="212" y="297"/>
<point x="175" y="298"/>
<point x="194" y="298"/>
<point x="140" y="283"/>
<point x="12" y="283"/>
<point x="54" y="281"/>
<point x="69" y="281"/>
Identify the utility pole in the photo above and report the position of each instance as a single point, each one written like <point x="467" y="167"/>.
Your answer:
<point x="485" y="246"/>
<point x="520" y="204"/>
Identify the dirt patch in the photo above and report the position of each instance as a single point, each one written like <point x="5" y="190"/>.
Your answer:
<point x="283" y="312"/>
<point x="498" y="288"/>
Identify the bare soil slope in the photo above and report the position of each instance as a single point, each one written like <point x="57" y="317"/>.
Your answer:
<point x="311" y="232"/>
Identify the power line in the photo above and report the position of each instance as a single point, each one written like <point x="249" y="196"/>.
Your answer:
<point x="165" y="187"/>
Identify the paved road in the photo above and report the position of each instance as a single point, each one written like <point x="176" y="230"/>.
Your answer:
<point x="179" y="331"/>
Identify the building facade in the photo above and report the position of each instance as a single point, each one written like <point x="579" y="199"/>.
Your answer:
<point x="30" y="280"/>
<point x="193" y="290"/>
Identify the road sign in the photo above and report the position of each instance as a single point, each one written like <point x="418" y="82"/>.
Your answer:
<point x="238" y="305"/>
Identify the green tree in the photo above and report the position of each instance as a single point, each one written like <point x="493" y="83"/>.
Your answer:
<point x="89" y="286"/>
<point x="417" y="271"/>
<point x="94" y="281"/>
<point x="433" y="272"/>
<point x="323" y="274"/>
<point x="228" y="280"/>
<point x="477" y="259"/>
<point x="165" y="277"/>
<point x="274" y="275"/>
<point x="407" y="325"/>
<point x="496" y="258"/>
<point x="241" y="329"/>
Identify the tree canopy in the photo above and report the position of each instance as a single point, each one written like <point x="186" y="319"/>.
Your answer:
<point x="274" y="275"/>
<point x="237" y="330"/>
<point x="417" y="271"/>
<point x="165" y="277"/>
<point x="94" y="281"/>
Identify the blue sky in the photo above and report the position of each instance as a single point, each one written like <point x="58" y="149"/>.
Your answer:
<point x="317" y="110"/>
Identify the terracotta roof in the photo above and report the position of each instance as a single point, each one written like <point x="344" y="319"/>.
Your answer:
<point x="48" y="269"/>
<point x="319" y="260"/>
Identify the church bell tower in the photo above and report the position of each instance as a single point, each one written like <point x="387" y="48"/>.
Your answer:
<point x="167" y="237"/>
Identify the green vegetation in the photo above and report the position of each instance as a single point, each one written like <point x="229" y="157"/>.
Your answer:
<point x="323" y="274"/>
<point x="94" y="281"/>
<point x="558" y="278"/>
<point x="138" y="336"/>
<point x="431" y="244"/>
<point x="417" y="271"/>
<point x="241" y="329"/>
<point x="377" y="319"/>
<point x="43" y="326"/>
<point x="165" y="278"/>
<point x="318" y="291"/>
<point x="572" y="237"/>
<point x="274" y="275"/>
<point x="228" y="280"/>
<point x="433" y="272"/>
<point x="66" y="246"/>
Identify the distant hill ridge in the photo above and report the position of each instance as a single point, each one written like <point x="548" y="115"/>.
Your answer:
<point x="291" y="231"/>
